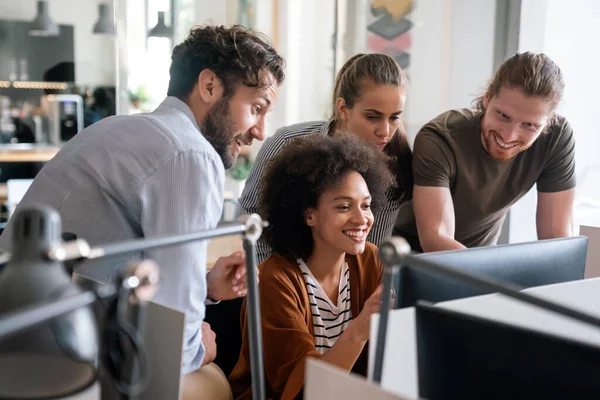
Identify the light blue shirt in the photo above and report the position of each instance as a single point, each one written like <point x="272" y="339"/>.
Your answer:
<point x="138" y="176"/>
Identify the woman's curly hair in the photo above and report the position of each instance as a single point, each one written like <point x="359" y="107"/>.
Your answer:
<point x="297" y="177"/>
<point x="235" y="55"/>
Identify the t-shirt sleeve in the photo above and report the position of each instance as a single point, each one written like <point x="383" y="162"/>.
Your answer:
<point x="559" y="172"/>
<point x="433" y="162"/>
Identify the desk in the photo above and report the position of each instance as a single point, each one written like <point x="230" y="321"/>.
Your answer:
<point x="17" y="153"/>
<point x="400" y="364"/>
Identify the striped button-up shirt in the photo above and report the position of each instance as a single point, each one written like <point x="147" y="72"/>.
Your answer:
<point x="385" y="216"/>
<point x="135" y="176"/>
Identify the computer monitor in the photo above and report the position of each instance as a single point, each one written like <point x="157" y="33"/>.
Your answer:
<point x="530" y="264"/>
<point x="460" y="356"/>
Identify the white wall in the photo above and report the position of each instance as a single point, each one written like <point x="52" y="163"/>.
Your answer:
<point x="451" y="57"/>
<point x="305" y="30"/>
<point x="210" y="11"/>
<point x="430" y="63"/>
<point x="472" y="49"/>
<point x="94" y="54"/>
<point x="571" y="34"/>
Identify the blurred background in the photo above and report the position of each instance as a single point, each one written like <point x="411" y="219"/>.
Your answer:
<point x="66" y="64"/>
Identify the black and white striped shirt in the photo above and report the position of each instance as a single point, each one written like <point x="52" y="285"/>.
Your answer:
<point x="385" y="216"/>
<point x="329" y="320"/>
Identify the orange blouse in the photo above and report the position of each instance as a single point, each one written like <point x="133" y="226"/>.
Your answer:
<point x="287" y="327"/>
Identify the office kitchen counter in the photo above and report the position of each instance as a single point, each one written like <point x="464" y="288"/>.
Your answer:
<point x="13" y="155"/>
<point x="27" y="152"/>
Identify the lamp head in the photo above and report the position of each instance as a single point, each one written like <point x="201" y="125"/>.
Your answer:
<point x="393" y="251"/>
<point x="58" y="357"/>
<point x="42" y="24"/>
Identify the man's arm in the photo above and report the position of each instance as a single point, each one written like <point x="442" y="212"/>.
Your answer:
<point x="433" y="169"/>
<point x="434" y="212"/>
<point x="556" y="187"/>
<point x="554" y="216"/>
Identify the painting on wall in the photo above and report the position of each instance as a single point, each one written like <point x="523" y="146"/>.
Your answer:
<point x="389" y="29"/>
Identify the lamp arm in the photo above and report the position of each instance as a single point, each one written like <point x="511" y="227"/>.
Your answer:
<point x="79" y="249"/>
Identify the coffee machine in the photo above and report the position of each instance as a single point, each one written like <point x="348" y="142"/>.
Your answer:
<point x="65" y="113"/>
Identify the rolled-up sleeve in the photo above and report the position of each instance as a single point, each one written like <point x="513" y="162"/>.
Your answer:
<point x="183" y="195"/>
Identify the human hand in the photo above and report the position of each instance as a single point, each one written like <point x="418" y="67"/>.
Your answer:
<point x="210" y="344"/>
<point x="362" y="323"/>
<point x="227" y="279"/>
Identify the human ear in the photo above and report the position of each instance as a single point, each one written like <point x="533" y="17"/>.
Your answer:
<point x="309" y="216"/>
<point x="209" y="86"/>
<point x="341" y="109"/>
<point x="486" y="99"/>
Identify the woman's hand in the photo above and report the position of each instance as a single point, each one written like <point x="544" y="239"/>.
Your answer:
<point x="361" y="325"/>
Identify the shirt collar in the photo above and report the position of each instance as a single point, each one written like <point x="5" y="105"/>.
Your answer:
<point x="175" y="103"/>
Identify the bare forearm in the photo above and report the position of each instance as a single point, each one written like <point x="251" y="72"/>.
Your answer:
<point x="564" y="230"/>
<point x="440" y="243"/>
<point x="346" y="349"/>
<point x="554" y="216"/>
<point x="551" y="228"/>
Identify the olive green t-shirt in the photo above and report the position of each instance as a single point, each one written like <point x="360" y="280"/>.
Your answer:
<point x="448" y="153"/>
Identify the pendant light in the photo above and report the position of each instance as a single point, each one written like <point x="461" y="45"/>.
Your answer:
<point x="42" y="25"/>
<point x="105" y="24"/>
<point x="160" y="29"/>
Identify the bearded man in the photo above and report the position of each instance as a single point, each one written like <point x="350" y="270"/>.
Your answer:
<point x="471" y="166"/>
<point x="163" y="173"/>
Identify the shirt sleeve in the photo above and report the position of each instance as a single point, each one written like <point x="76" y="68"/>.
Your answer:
<point x="559" y="172"/>
<point x="433" y="161"/>
<point x="181" y="196"/>
<point x="251" y="193"/>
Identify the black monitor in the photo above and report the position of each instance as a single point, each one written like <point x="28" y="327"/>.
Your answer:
<point x="465" y="357"/>
<point x="530" y="264"/>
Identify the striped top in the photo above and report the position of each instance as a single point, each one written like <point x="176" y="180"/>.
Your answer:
<point x="329" y="320"/>
<point x="385" y="216"/>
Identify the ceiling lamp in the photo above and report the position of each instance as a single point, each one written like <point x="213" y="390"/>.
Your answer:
<point x="160" y="29"/>
<point x="104" y="25"/>
<point x="42" y="25"/>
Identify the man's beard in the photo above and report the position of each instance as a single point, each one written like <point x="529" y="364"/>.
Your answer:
<point x="490" y="144"/>
<point x="218" y="128"/>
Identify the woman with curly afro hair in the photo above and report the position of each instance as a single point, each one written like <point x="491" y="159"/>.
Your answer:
<point x="320" y="286"/>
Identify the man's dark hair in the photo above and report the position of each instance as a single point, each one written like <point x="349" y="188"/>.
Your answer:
<point x="297" y="177"/>
<point x="234" y="54"/>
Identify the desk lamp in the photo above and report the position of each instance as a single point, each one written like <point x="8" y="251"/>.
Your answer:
<point x="57" y="355"/>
